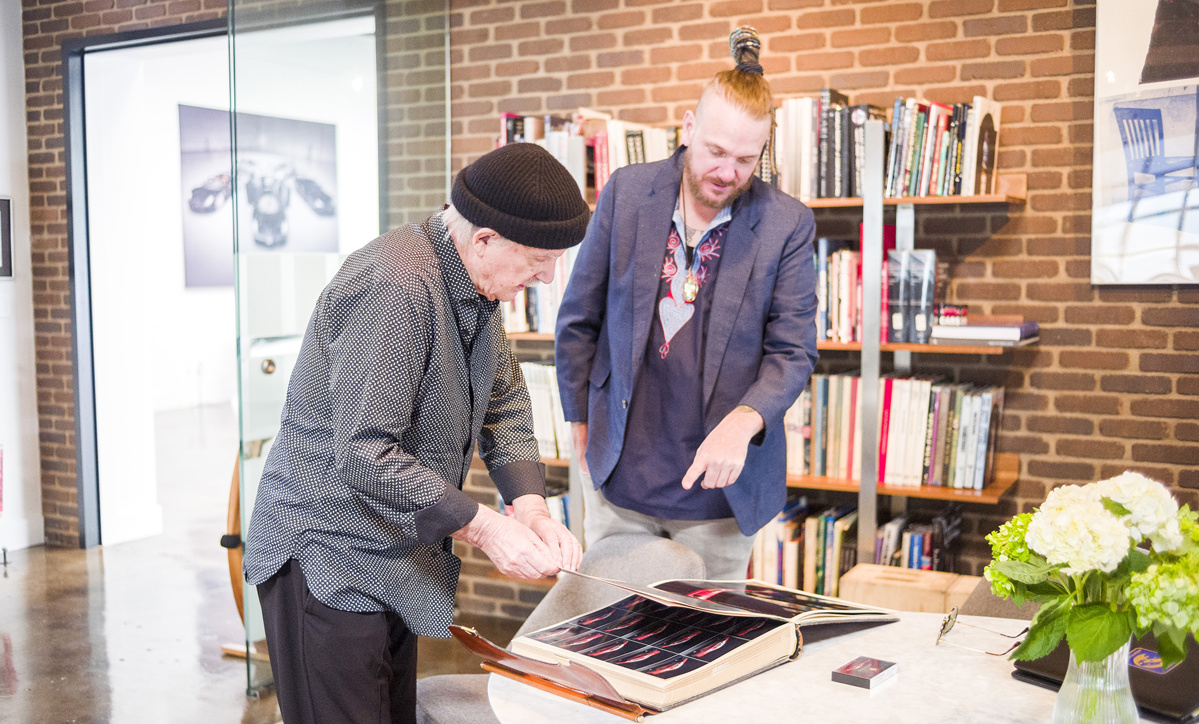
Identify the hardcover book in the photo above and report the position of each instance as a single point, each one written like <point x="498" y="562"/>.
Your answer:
<point x="682" y="639"/>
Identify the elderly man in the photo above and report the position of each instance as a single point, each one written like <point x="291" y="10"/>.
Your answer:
<point x="404" y="365"/>
<point x="687" y="331"/>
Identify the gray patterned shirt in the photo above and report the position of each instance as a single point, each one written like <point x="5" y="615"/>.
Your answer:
<point x="402" y="368"/>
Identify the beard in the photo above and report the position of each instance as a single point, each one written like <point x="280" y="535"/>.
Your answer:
<point x="695" y="185"/>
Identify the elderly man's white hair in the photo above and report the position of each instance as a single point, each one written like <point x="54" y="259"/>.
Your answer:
<point x="461" y="230"/>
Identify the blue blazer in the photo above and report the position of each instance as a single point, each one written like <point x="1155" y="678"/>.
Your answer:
<point x="761" y="338"/>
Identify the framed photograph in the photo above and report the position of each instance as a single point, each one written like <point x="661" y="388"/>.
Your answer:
<point x="1145" y="185"/>
<point x="5" y="237"/>
<point x="285" y="184"/>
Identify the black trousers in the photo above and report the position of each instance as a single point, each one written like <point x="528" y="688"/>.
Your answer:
<point x="336" y="666"/>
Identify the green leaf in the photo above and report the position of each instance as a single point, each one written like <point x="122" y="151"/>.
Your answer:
<point x="1026" y="573"/>
<point x="1171" y="645"/>
<point x="1095" y="631"/>
<point x="1138" y="561"/>
<point x="1115" y="508"/>
<point x="1045" y="632"/>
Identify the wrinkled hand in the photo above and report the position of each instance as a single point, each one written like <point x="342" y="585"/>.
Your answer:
<point x="514" y="549"/>
<point x="578" y="441"/>
<point x="563" y="547"/>
<point x="721" y="456"/>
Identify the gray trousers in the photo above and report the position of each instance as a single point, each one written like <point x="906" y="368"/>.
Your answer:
<point x="719" y="542"/>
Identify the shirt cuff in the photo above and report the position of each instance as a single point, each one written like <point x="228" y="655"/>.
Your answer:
<point x="452" y="513"/>
<point x="519" y="477"/>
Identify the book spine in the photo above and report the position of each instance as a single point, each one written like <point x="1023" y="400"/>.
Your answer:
<point x="884" y="426"/>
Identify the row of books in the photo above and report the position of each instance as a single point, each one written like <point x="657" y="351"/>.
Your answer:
<point x="535" y="308"/>
<point x="932" y="149"/>
<point x="556" y="134"/>
<point x="930" y="546"/>
<point x="549" y="423"/>
<point x="811" y="552"/>
<point x="805" y="550"/>
<point x="930" y="432"/>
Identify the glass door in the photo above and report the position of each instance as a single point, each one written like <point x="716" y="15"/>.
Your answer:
<point x="340" y="129"/>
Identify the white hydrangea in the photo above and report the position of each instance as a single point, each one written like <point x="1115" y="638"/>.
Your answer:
<point x="1073" y="528"/>
<point x="1153" y="512"/>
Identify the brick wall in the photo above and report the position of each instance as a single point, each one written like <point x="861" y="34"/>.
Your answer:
<point x="1114" y="383"/>
<point x="414" y="42"/>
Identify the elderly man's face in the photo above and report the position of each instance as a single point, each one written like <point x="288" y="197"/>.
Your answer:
<point x="503" y="268"/>
<point x="723" y="147"/>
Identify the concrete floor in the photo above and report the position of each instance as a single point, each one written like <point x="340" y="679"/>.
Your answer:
<point x="132" y="632"/>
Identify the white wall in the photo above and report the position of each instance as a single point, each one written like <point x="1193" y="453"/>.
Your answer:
<point x="157" y="344"/>
<point x="21" y="520"/>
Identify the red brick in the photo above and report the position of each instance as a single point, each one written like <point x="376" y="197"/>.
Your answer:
<point x="1186" y="431"/>
<point x="993" y="70"/>
<point x="915" y="32"/>
<point x="1076" y="381"/>
<point x="1188" y="341"/>
<point x="564" y="26"/>
<point x="860" y="36"/>
<point x="1172" y="454"/>
<point x="1089" y="449"/>
<point x="891" y="12"/>
<point x="793" y="4"/>
<point x="1158" y="407"/>
<point x="648" y="36"/>
<point x="990" y="27"/>
<point x="621" y="20"/>
<point x="825" y="19"/>
<point x="1133" y="429"/>
<point x="1023" y="269"/>
<point x="1059" y="425"/>
<point x="1030" y="44"/>
<point x="795" y="43"/>
<point x="544" y="46"/>
<point x="854" y="81"/>
<point x="542" y="10"/>
<point x="1170" y="316"/>
<point x="824" y="61"/>
<point x="1176" y="363"/>
<point x="893" y="55"/>
<point x="958" y="49"/>
<point x="678" y="13"/>
<point x="728" y="8"/>
<point x="922" y="74"/>
<point x="958" y="8"/>
<point x="1061" y="470"/>
<point x="592" y="41"/>
<point x="675" y="54"/>
<point x="1092" y="360"/>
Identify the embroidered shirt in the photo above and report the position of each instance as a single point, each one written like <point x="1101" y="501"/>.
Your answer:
<point x="667" y="406"/>
<point x="402" y="368"/>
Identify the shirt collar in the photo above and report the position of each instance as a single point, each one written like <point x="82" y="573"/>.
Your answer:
<point x="722" y="217"/>
<point x="457" y="280"/>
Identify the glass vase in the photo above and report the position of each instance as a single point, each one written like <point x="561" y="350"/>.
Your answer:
<point x="1096" y="692"/>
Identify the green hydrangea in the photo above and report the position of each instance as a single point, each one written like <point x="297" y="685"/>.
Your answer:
<point x="1007" y="544"/>
<point x="1165" y="593"/>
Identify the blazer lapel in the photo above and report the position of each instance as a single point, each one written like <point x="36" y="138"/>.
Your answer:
<point x="732" y="279"/>
<point x="653" y="227"/>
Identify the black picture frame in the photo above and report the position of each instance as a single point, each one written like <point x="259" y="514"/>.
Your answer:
<point x="5" y="238"/>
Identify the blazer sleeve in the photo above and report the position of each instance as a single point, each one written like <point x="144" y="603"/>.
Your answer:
<point x="581" y="313"/>
<point x="789" y="342"/>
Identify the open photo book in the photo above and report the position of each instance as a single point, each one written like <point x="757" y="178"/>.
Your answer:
<point x="672" y="642"/>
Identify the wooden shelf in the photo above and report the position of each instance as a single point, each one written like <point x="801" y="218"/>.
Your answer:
<point x="1010" y="189"/>
<point x="534" y="336"/>
<point x="897" y="200"/>
<point x="927" y="348"/>
<point x="556" y="462"/>
<point x="1007" y="469"/>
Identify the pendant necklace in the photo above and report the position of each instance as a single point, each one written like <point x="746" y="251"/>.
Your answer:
<point x="690" y="285"/>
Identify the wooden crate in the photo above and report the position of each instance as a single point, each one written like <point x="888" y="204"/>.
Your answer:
<point x="902" y="589"/>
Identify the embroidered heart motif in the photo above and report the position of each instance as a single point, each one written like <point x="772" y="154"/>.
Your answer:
<point x="673" y="316"/>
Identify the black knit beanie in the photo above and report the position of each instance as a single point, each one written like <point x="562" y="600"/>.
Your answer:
<point x="522" y="192"/>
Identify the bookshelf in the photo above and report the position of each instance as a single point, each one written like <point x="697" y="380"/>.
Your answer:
<point x="1007" y="469"/>
<point x="531" y="336"/>
<point x="1011" y="189"/>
